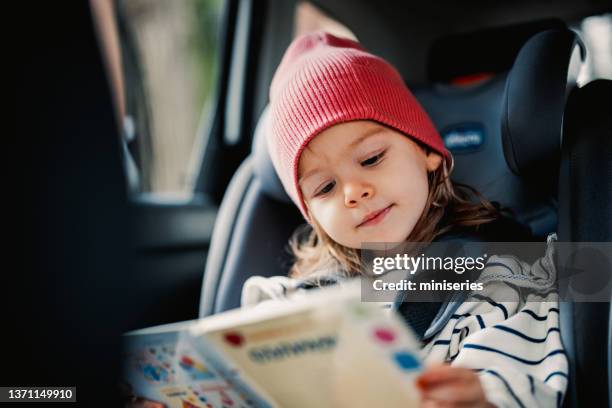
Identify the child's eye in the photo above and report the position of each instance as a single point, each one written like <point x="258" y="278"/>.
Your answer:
<point x="373" y="160"/>
<point x="326" y="189"/>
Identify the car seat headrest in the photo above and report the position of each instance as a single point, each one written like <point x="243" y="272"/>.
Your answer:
<point x="544" y="72"/>
<point x="262" y="164"/>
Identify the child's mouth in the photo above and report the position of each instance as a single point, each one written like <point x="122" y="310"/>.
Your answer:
<point x="377" y="218"/>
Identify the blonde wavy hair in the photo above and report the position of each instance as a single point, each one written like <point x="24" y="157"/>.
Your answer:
<point x="449" y="204"/>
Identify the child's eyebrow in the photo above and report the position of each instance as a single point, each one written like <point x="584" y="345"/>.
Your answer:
<point x="370" y="132"/>
<point x="307" y="174"/>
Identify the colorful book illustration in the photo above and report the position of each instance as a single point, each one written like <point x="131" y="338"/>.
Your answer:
<point x="325" y="349"/>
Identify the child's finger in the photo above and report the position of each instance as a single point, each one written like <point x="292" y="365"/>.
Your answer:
<point x="429" y="404"/>
<point x="153" y="404"/>
<point x="436" y="404"/>
<point x="462" y="394"/>
<point x="444" y="373"/>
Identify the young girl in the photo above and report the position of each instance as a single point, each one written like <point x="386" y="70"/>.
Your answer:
<point x="363" y="163"/>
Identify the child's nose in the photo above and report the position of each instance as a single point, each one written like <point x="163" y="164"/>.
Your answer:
<point x="355" y="192"/>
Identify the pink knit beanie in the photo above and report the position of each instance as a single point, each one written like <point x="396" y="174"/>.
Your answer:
<point x="323" y="80"/>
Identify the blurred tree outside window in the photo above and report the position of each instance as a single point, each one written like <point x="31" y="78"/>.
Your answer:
<point x="170" y="65"/>
<point x="596" y="32"/>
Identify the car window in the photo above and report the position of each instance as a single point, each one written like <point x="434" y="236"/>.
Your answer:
<point x="170" y="65"/>
<point x="596" y="32"/>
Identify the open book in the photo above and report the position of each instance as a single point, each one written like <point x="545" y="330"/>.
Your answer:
<point x="325" y="349"/>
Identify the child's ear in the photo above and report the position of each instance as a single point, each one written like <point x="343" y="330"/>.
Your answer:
<point x="433" y="161"/>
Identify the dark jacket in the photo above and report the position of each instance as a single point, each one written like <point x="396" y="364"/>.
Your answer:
<point x="419" y="315"/>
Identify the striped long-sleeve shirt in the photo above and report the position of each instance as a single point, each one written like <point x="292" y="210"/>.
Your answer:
<point x="509" y="334"/>
<point x="515" y="348"/>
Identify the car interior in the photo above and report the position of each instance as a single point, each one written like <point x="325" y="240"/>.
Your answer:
<point x="504" y="83"/>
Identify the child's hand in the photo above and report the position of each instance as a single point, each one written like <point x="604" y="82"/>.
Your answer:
<point x="446" y="386"/>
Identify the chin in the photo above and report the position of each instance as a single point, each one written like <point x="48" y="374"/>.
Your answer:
<point x="386" y="238"/>
<point x="400" y="234"/>
<point x="394" y="240"/>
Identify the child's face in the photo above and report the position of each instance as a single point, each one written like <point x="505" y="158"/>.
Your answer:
<point x="355" y="169"/>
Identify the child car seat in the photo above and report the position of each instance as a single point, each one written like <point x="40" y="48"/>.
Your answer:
<point x="468" y="117"/>
<point x="256" y="216"/>
<point x="254" y="223"/>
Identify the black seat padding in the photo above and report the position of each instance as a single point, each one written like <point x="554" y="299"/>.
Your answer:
<point x="585" y="215"/>
<point x="534" y="103"/>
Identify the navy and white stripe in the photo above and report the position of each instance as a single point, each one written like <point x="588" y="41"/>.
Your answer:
<point x="514" y="346"/>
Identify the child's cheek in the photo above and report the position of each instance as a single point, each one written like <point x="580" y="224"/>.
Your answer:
<point x="335" y="222"/>
<point x="320" y="213"/>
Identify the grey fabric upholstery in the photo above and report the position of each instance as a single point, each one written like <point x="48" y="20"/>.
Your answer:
<point x="250" y="237"/>
<point x="263" y="168"/>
